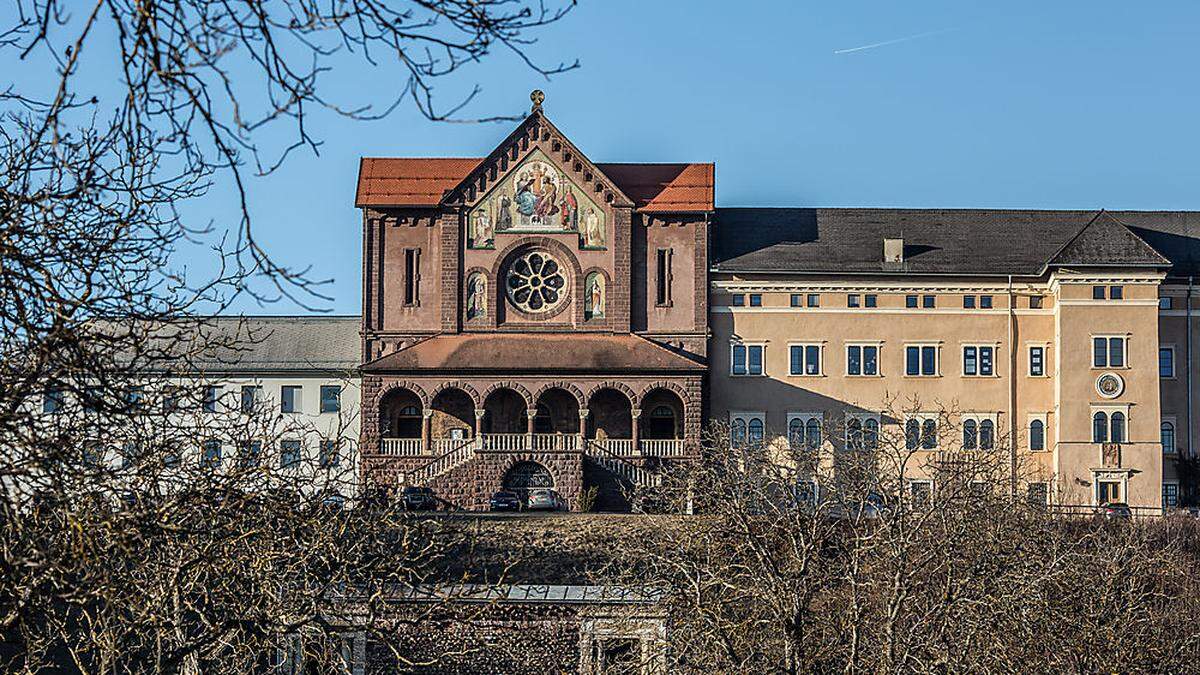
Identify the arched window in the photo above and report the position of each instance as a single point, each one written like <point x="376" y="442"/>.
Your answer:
<point x="871" y="433"/>
<point x="737" y="433"/>
<point x="1118" y="428"/>
<point x="1099" y="428"/>
<point x="987" y="435"/>
<point x="1037" y="435"/>
<point x="970" y="435"/>
<point x="929" y="434"/>
<point x="812" y="434"/>
<point x="410" y="411"/>
<point x="1168" y="438"/>
<point x="662" y="411"/>
<point x="912" y="434"/>
<point x="754" y="431"/>
<point x="796" y="433"/>
<point x="854" y="434"/>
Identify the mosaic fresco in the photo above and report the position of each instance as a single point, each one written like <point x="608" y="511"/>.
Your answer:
<point x="536" y="197"/>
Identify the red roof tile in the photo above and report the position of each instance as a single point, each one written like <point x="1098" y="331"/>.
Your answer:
<point x="654" y="188"/>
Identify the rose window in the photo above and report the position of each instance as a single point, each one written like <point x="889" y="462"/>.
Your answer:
<point x="535" y="282"/>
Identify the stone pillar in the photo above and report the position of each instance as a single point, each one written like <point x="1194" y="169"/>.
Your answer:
<point x="477" y="428"/>
<point x="530" y="413"/>
<point x="583" y="415"/>
<point x="427" y="430"/>
<point x="635" y="415"/>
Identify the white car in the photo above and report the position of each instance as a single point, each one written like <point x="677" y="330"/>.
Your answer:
<point x="544" y="499"/>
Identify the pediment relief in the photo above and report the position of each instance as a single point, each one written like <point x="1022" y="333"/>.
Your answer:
<point x="536" y="196"/>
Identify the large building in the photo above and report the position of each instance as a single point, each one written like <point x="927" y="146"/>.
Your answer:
<point x="535" y="318"/>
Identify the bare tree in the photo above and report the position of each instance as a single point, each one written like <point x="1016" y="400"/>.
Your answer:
<point x="124" y="546"/>
<point x="830" y="553"/>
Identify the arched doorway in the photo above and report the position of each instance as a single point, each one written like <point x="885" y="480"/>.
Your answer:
<point x="662" y="415"/>
<point x="504" y="413"/>
<point x="525" y="476"/>
<point x="557" y="413"/>
<point x="453" y="414"/>
<point x="610" y="415"/>
<point x="400" y="414"/>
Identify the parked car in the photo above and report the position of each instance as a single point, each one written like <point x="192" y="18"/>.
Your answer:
<point x="1116" y="511"/>
<point x="419" y="499"/>
<point x="545" y="499"/>
<point x="505" y="501"/>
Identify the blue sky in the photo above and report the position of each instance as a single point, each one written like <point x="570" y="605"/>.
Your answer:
<point x="1022" y="104"/>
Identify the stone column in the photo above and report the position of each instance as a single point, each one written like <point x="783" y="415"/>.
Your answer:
<point x="477" y="428"/>
<point x="635" y="415"/>
<point x="583" y="415"/>
<point x="530" y="413"/>
<point x="427" y="430"/>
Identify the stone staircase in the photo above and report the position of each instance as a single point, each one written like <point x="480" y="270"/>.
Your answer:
<point x="597" y="452"/>
<point x="453" y="458"/>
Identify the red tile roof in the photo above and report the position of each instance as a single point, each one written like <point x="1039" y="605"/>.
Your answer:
<point x="535" y="352"/>
<point x="654" y="188"/>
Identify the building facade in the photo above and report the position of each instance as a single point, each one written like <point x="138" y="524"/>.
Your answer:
<point x="531" y="318"/>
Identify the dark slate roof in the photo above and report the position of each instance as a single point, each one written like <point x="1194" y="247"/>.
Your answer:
<point x="265" y="344"/>
<point x="539" y="352"/>
<point x="946" y="241"/>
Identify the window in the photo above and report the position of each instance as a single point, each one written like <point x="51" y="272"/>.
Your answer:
<point x="1037" y="361"/>
<point x="329" y="455"/>
<point x="1170" y="495"/>
<point x="870" y="300"/>
<point x="814" y="300"/>
<point x="910" y="301"/>
<point x="251" y="395"/>
<point x="920" y="360"/>
<point x="93" y="396"/>
<point x="1166" y="362"/>
<point x="797" y="300"/>
<point x="249" y="454"/>
<point x="928" y="301"/>
<point x="921" y="492"/>
<point x="737" y="300"/>
<point x="912" y="434"/>
<point x="805" y="359"/>
<point x="1097" y="292"/>
<point x="170" y="400"/>
<point x="211" y="395"/>
<point x="289" y="398"/>
<point x="1108" y="491"/>
<point x="804" y="430"/>
<point x="978" y="360"/>
<point x="1099" y="428"/>
<point x="1117" y="424"/>
<point x="754" y="430"/>
<point x="854" y="434"/>
<point x="1037" y="435"/>
<point x="1035" y="302"/>
<point x="662" y="277"/>
<point x="929" y="439"/>
<point x="756" y="299"/>
<point x="871" y="433"/>
<point x="968" y="302"/>
<point x="1037" y="494"/>
<point x="745" y="428"/>
<point x="53" y="401"/>
<point x="862" y="359"/>
<point x="331" y="398"/>
<point x="412" y="276"/>
<point x="289" y="454"/>
<point x="746" y="360"/>
<point x="1108" y="352"/>
<point x="970" y="435"/>
<point x="135" y="399"/>
<point x="987" y="435"/>
<point x="1167" y="434"/>
<point x="853" y="300"/>
<point x="1116" y="292"/>
<point x="211" y="456"/>
<point x="1165" y="302"/>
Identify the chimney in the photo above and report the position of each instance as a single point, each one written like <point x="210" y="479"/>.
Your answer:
<point x="893" y="251"/>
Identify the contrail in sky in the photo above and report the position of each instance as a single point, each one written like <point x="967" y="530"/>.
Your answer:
<point x="918" y="36"/>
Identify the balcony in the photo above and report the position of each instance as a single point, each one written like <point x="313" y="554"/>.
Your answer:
<point x="618" y="447"/>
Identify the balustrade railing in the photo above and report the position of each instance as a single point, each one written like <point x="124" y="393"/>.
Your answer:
<point x="665" y="447"/>
<point x="456" y="456"/>
<point x="599" y="451"/>
<point x="444" y="445"/>
<point x="504" y="442"/>
<point x="559" y="442"/>
<point x="402" y="447"/>
<point x="621" y="447"/>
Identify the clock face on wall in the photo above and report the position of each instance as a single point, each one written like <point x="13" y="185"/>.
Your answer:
<point x="1110" y="385"/>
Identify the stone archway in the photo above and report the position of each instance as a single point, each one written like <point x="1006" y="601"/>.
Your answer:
<point x="662" y="415"/>
<point x="400" y="414"/>
<point x="504" y="412"/>
<point x="610" y="414"/>
<point x="525" y="476"/>
<point x="557" y="412"/>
